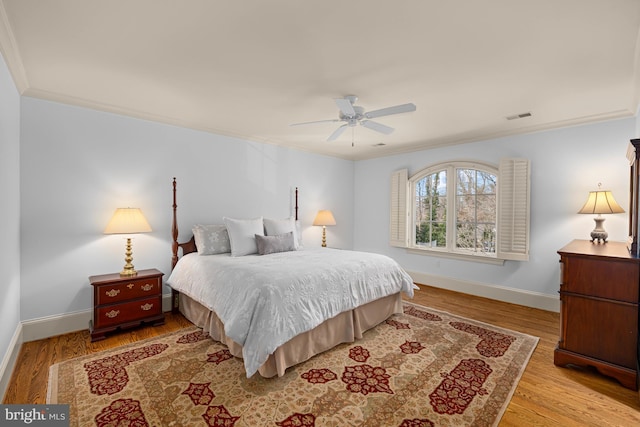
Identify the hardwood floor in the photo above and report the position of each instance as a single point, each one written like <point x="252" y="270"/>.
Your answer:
<point x="546" y="395"/>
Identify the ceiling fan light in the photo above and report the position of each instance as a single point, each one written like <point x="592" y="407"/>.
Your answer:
<point x="353" y="115"/>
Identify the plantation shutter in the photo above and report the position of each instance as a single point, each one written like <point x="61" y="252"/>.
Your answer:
<point x="399" y="213"/>
<point x="513" y="209"/>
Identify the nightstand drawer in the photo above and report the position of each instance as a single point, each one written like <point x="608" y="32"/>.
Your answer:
<point x="131" y="289"/>
<point x="127" y="312"/>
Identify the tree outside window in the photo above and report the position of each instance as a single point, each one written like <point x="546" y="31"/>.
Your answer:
<point x="470" y="194"/>
<point x="431" y="210"/>
<point x="475" y="210"/>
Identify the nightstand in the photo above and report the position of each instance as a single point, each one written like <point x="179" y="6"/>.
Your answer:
<point x="125" y="302"/>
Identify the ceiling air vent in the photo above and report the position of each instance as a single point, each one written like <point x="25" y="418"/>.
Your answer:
<point x="519" y="116"/>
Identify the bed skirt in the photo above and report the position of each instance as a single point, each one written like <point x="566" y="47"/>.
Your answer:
<point x="345" y="327"/>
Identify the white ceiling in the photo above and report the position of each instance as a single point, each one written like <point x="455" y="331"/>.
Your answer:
<point x="250" y="68"/>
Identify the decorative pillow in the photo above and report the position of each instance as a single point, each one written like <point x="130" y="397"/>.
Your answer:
<point x="242" y="235"/>
<point x="272" y="244"/>
<point x="274" y="227"/>
<point x="211" y="239"/>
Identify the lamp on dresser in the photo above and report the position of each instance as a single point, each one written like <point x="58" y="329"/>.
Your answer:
<point x="600" y="202"/>
<point x="128" y="221"/>
<point x="324" y="218"/>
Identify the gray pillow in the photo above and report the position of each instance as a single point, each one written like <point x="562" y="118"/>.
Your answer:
<point x="211" y="239"/>
<point x="278" y="243"/>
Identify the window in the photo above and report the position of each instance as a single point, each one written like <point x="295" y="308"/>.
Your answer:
<point x="463" y="208"/>
<point x="430" y="210"/>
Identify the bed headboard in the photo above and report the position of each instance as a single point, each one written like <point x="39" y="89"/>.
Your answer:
<point x="190" y="246"/>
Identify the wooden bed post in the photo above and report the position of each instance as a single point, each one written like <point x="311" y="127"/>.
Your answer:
<point x="296" y="203"/>
<point x="174" y="249"/>
<point x="174" y="229"/>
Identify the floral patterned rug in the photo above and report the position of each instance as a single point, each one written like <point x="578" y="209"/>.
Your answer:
<point x="421" y="368"/>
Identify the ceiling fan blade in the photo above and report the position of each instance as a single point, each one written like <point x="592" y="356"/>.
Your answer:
<point x="378" y="127"/>
<point x="317" y="121"/>
<point x="404" y="108"/>
<point x="345" y="106"/>
<point x="336" y="133"/>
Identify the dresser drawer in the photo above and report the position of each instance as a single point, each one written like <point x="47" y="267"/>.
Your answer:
<point x="131" y="289"/>
<point x="127" y="312"/>
<point x="611" y="337"/>
<point x="601" y="278"/>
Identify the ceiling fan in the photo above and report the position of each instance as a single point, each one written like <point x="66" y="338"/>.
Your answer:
<point x="353" y="115"/>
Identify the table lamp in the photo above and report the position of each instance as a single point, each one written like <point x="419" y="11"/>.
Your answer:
<point x="128" y="221"/>
<point x="324" y="218"/>
<point x="600" y="202"/>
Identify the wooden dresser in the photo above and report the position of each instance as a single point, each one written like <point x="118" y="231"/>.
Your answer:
<point x="599" y="309"/>
<point x="124" y="302"/>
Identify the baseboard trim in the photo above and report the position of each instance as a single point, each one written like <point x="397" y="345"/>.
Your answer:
<point x="500" y="293"/>
<point x="9" y="360"/>
<point x="50" y="326"/>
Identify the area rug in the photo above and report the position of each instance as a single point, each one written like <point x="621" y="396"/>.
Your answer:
<point x="421" y="368"/>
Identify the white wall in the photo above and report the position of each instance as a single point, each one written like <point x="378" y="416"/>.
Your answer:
<point x="566" y="164"/>
<point x="78" y="165"/>
<point x="9" y="217"/>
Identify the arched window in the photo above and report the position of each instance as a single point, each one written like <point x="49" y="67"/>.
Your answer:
<point x="463" y="208"/>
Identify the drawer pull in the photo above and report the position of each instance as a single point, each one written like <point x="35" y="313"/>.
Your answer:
<point x="130" y="285"/>
<point x="113" y="313"/>
<point x="146" y="307"/>
<point x="146" y="287"/>
<point x="112" y="293"/>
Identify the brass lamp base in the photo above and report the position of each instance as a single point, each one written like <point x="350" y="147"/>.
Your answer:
<point x="128" y="273"/>
<point x="128" y="270"/>
<point x="324" y="236"/>
<point x="599" y="233"/>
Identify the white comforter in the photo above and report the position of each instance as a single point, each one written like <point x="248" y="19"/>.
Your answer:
<point x="264" y="301"/>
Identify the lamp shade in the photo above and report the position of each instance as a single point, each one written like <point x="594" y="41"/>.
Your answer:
<point x="324" y="217"/>
<point x="601" y="202"/>
<point x="127" y="221"/>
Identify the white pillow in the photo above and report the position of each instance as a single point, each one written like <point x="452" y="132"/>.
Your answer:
<point x="242" y="234"/>
<point x="211" y="239"/>
<point x="297" y="234"/>
<point x="275" y="227"/>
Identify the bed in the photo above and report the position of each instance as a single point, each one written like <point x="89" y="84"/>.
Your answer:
<point x="277" y="308"/>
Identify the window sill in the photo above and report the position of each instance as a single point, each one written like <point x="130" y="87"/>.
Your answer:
<point x="454" y="255"/>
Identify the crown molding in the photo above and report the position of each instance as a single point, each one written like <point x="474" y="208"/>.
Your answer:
<point x="10" y="52"/>
<point x="485" y="135"/>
